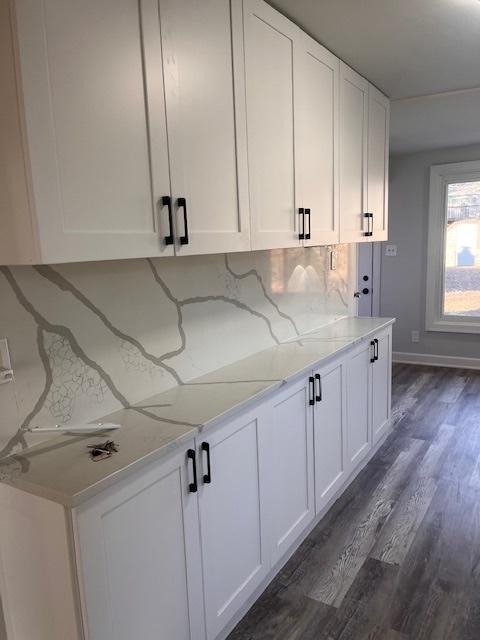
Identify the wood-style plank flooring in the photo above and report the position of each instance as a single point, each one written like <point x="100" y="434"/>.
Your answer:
<point x="398" y="555"/>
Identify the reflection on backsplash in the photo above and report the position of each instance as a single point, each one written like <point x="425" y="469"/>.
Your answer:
<point x="88" y="338"/>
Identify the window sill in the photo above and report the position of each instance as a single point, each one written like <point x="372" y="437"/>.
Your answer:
<point x="459" y="325"/>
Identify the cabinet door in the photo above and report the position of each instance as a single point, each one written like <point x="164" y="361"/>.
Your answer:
<point x="317" y="127"/>
<point x="291" y="483"/>
<point x="96" y="128"/>
<point x="381" y="385"/>
<point x="138" y="547"/>
<point x="358" y="368"/>
<point x="271" y="72"/>
<point x="353" y="156"/>
<point x="232" y="510"/>
<point x="378" y="137"/>
<point x="329" y="436"/>
<point x="204" y="78"/>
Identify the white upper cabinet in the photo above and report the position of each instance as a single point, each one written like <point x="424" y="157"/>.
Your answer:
<point x="317" y="131"/>
<point x="144" y="128"/>
<point x="378" y="136"/>
<point x="204" y="80"/>
<point x="94" y="127"/>
<point x="99" y="80"/>
<point x="353" y="156"/>
<point x="271" y="72"/>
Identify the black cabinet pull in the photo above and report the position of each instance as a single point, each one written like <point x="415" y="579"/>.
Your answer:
<point x="301" y="213"/>
<point x="182" y="204"/>
<point x="308" y="235"/>
<point x="369" y="217"/>
<point x="318" y="396"/>
<point x="207" y="478"/>
<point x="372" y="344"/>
<point x="375" y="349"/>
<point x="192" y="487"/>
<point x="312" y="390"/>
<point x="167" y="202"/>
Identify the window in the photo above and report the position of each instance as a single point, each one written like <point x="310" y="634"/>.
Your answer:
<point x="453" y="268"/>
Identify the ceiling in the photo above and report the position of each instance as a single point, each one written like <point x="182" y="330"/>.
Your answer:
<point x="435" y="122"/>
<point x="405" y="47"/>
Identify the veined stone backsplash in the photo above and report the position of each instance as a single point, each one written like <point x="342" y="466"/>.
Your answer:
<point x="86" y="339"/>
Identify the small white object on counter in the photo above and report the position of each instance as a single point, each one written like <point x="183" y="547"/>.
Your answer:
<point x="79" y="428"/>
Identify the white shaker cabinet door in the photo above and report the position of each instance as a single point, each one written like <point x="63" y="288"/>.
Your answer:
<point x="92" y="88"/>
<point x="271" y="72"/>
<point x="233" y="506"/>
<point x="329" y="431"/>
<point x="378" y="141"/>
<point x="317" y="126"/>
<point x="291" y="483"/>
<point x="358" y="370"/>
<point x="202" y="42"/>
<point x="138" y="548"/>
<point x="381" y="385"/>
<point x="354" y="225"/>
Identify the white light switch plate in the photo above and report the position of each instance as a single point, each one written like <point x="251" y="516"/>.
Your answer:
<point x="391" y="250"/>
<point x="333" y="260"/>
<point x="6" y="373"/>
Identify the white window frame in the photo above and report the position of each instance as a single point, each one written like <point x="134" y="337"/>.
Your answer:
<point x="441" y="176"/>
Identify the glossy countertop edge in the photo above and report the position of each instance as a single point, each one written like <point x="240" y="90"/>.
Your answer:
<point x="78" y="498"/>
<point x="344" y="343"/>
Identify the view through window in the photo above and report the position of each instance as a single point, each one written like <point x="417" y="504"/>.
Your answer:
<point x="462" y="250"/>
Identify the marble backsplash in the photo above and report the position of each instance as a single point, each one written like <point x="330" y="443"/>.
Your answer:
<point x="86" y="339"/>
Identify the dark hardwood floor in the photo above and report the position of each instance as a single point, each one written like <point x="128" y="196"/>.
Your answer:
<point x="398" y="555"/>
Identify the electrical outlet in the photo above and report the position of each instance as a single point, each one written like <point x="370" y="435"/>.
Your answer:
<point x="6" y="373"/>
<point x="415" y="336"/>
<point x="391" y="250"/>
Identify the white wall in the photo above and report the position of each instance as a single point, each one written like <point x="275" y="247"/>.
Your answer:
<point x="403" y="278"/>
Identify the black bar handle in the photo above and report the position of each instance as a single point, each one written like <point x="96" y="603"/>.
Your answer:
<point x="207" y="478"/>
<point x="375" y="351"/>
<point x="167" y="202"/>
<point x="301" y="212"/>
<point x="312" y="390"/>
<point x="309" y="234"/>
<point x="372" y="344"/>
<point x="182" y="204"/>
<point x="193" y="486"/>
<point x="318" y="396"/>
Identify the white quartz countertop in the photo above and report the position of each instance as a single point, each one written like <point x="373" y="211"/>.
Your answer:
<point x="61" y="469"/>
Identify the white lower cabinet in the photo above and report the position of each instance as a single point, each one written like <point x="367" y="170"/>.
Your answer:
<point x="178" y="549"/>
<point x="381" y="385"/>
<point x="175" y="552"/>
<point x="232" y="504"/>
<point x="138" y="552"/>
<point x="291" y="504"/>
<point x="329" y="431"/>
<point x="358" y="371"/>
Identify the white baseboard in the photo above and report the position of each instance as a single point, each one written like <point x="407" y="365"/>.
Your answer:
<point x="436" y="360"/>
